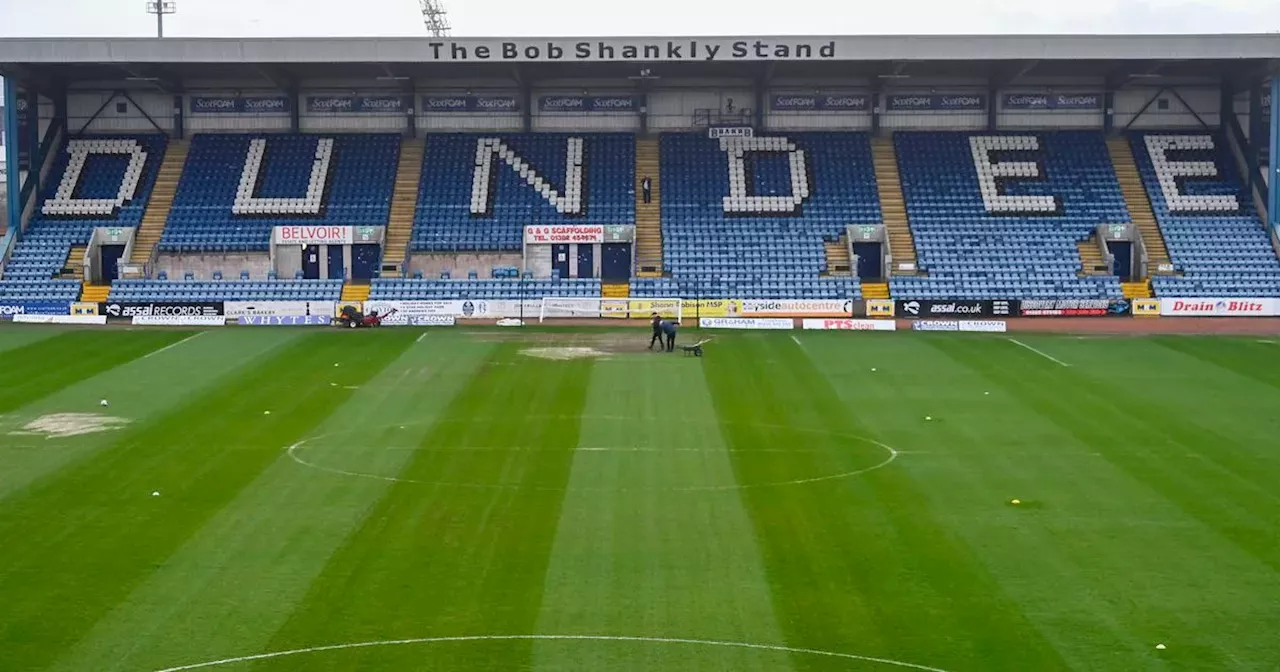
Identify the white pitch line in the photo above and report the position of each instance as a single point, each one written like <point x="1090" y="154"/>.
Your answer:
<point x="578" y="638"/>
<point x="419" y="339"/>
<point x="1039" y="352"/>
<point x="797" y="340"/>
<point x="174" y="345"/>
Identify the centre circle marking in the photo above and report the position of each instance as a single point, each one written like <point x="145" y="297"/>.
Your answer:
<point x="573" y="638"/>
<point x="890" y="452"/>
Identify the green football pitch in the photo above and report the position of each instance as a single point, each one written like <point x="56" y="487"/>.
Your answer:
<point x="281" y="499"/>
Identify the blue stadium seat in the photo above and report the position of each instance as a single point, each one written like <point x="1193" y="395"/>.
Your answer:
<point x="755" y="252"/>
<point x="1219" y="244"/>
<point x="505" y="288"/>
<point x="226" y="290"/>
<point x="73" y="205"/>
<point x="357" y="188"/>
<point x="445" y="220"/>
<point x="973" y="248"/>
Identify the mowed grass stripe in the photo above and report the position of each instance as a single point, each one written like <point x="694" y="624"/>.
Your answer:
<point x="637" y="555"/>
<point x="137" y="390"/>
<point x="17" y="336"/>
<point x="864" y="564"/>
<point x="461" y="559"/>
<point x="1163" y="448"/>
<point x="1090" y="555"/>
<point x="91" y="534"/>
<point x="1204" y="580"/>
<point x="41" y="368"/>
<point x="254" y="561"/>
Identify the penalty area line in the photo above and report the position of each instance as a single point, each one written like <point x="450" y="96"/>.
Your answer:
<point x="174" y="345"/>
<point x="1039" y="352"/>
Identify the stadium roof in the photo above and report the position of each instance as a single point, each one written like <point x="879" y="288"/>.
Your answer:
<point x="69" y="60"/>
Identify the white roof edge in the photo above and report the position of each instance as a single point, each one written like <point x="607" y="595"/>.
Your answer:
<point x="670" y="49"/>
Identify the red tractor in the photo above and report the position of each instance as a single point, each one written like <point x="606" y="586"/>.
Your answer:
<point x="352" y="318"/>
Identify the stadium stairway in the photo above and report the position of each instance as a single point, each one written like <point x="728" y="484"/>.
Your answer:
<point x="157" y="211"/>
<point x="838" y="261"/>
<point x="1138" y="203"/>
<point x="1091" y="257"/>
<point x="73" y="267"/>
<point x="404" y="203"/>
<point x="615" y="290"/>
<point x="1136" y="290"/>
<point x="875" y="290"/>
<point x="355" y="291"/>
<point x="893" y="207"/>
<point x="95" y="293"/>
<point x="648" y="215"/>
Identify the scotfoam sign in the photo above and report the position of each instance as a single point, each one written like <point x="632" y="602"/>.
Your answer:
<point x="836" y="102"/>
<point x="314" y="235"/>
<point x="622" y="50"/>
<point x="234" y="105"/>
<point x="590" y="103"/>
<point x="483" y="104"/>
<point x="357" y="104"/>
<point x="1052" y="101"/>
<point x="909" y="102"/>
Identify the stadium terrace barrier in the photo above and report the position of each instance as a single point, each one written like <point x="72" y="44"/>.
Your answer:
<point x="781" y="324"/>
<point x="924" y="308"/>
<point x="34" y="308"/>
<point x="278" y="308"/>
<point x="283" y="320"/>
<point x="1172" y="307"/>
<point x="60" y="319"/>
<point x="179" y="321"/>
<point x="978" y="326"/>
<point x="1073" y="307"/>
<point x="850" y="325"/>
<point x="158" y="309"/>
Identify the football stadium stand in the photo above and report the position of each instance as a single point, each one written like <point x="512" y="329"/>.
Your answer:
<point x="96" y="181"/>
<point x="998" y="215"/>
<point x="747" y="217"/>
<point x="237" y="187"/>
<point x="1214" y="234"/>
<point x="478" y="192"/>
<point x="996" y="191"/>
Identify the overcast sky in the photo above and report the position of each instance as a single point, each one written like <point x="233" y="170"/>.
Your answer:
<point x="224" y="18"/>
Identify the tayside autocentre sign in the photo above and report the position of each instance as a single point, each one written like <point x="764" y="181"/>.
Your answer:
<point x="798" y="307"/>
<point x="1215" y="307"/>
